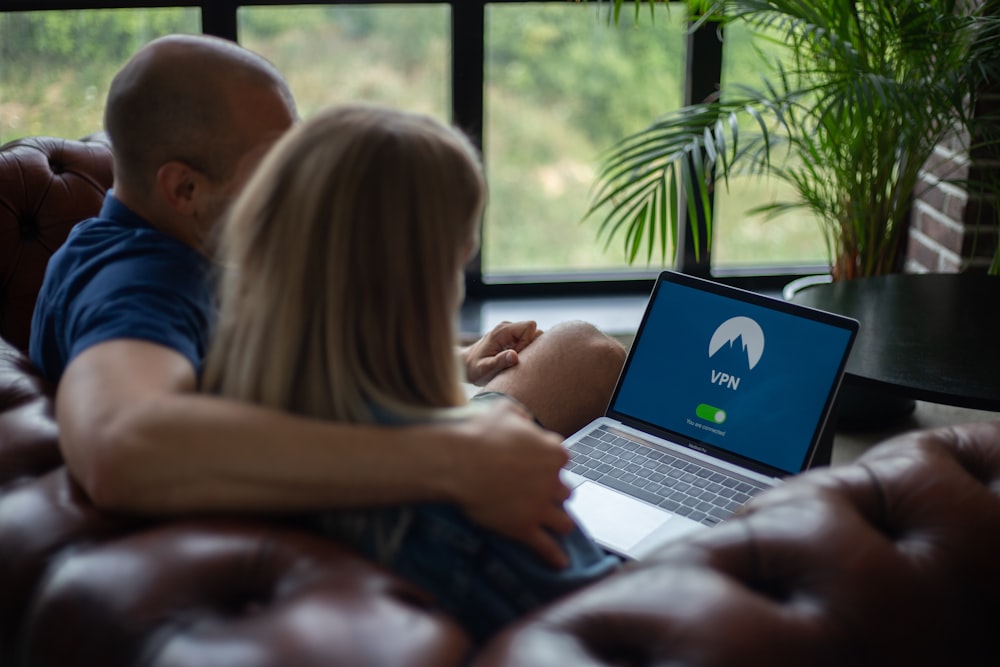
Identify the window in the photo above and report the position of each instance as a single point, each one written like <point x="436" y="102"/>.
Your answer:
<point x="373" y="53"/>
<point x="544" y="86"/>
<point x="55" y="67"/>
<point x="562" y="85"/>
<point x="741" y="239"/>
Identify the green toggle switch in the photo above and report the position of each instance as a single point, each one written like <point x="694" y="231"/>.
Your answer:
<point x="710" y="413"/>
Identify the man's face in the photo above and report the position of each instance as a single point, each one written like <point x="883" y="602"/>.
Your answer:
<point x="261" y="116"/>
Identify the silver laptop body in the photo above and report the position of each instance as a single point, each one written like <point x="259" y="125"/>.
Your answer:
<point x="724" y="392"/>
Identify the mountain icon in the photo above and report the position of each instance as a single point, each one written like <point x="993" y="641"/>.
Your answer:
<point x="744" y="328"/>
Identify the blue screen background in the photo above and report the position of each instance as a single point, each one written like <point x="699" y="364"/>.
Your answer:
<point x="771" y="415"/>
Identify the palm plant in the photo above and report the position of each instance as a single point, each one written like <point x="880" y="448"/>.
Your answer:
<point x="849" y="118"/>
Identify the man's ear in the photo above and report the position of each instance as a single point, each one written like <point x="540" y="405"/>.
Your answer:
<point x="177" y="183"/>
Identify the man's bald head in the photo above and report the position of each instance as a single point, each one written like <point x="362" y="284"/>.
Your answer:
<point x="184" y="97"/>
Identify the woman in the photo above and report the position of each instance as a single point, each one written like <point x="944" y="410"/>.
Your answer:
<point x="344" y="261"/>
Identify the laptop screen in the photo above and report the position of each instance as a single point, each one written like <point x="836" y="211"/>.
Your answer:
<point x="744" y="376"/>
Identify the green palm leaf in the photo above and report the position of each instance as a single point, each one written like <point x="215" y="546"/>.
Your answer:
<point x="864" y="94"/>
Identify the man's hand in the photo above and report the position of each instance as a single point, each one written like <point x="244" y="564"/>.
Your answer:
<point x="497" y="350"/>
<point x="508" y="479"/>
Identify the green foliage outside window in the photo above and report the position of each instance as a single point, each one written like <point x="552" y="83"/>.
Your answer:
<point x="55" y="37"/>
<point x="563" y="83"/>
<point x="56" y="66"/>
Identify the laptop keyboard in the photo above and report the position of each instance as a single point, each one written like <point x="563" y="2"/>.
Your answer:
<point x="678" y="484"/>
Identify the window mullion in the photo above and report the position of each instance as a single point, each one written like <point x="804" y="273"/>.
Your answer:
<point x="219" y="19"/>
<point x="468" y="53"/>
<point x="703" y="73"/>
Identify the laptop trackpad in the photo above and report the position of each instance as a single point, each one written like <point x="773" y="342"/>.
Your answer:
<point x="602" y="513"/>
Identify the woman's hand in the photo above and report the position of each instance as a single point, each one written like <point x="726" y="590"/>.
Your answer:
<point x="497" y="350"/>
<point x="505" y="477"/>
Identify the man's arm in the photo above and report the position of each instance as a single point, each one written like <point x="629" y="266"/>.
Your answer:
<point x="140" y="439"/>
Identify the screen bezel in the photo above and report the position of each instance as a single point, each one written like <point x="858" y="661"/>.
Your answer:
<point x="847" y="324"/>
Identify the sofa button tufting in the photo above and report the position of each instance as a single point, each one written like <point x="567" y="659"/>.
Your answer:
<point x="28" y="227"/>
<point x="56" y="167"/>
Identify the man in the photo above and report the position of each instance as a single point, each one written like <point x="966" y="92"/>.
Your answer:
<point x="123" y="319"/>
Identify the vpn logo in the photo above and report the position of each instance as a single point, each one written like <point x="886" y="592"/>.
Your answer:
<point x="750" y="335"/>
<point x="743" y="328"/>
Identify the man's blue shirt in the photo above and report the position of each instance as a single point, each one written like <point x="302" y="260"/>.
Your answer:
<point x="118" y="277"/>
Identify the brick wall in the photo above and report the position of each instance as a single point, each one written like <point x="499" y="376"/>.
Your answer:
<point x="951" y="229"/>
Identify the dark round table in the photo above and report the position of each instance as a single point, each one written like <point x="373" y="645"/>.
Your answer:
<point x="931" y="337"/>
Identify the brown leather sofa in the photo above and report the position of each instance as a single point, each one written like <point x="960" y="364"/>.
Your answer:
<point x="893" y="560"/>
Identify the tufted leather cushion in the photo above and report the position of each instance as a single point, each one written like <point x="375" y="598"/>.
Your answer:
<point x="219" y="593"/>
<point x="892" y="561"/>
<point x="28" y="436"/>
<point x="42" y="512"/>
<point x="47" y="185"/>
<point x="41" y="521"/>
<point x="81" y="587"/>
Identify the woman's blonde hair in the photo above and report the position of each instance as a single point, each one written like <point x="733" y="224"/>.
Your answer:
<point x="341" y="267"/>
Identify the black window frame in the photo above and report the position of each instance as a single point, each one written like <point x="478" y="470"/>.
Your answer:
<point x="703" y="72"/>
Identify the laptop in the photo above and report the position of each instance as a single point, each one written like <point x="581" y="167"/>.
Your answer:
<point x="724" y="392"/>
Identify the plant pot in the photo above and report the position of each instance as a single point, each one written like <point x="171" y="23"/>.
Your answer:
<point x="799" y="284"/>
<point x="859" y="406"/>
<point x="862" y="408"/>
